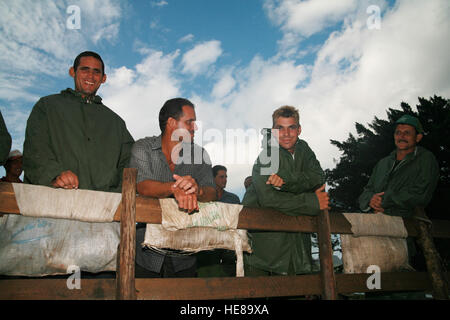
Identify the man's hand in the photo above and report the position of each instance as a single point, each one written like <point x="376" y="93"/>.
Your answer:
<point x="275" y="180"/>
<point x="186" y="183"/>
<point x="324" y="199"/>
<point x="67" y="180"/>
<point x="375" y="202"/>
<point x="187" y="202"/>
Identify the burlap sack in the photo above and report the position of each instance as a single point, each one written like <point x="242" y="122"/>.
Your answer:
<point x="377" y="239"/>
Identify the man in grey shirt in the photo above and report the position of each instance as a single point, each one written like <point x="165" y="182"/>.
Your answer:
<point x="171" y="165"/>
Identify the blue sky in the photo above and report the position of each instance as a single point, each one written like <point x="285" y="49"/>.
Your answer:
<point x="339" y="62"/>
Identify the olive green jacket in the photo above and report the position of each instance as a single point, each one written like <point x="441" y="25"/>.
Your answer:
<point x="410" y="184"/>
<point x="283" y="252"/>
<point x="68" y="132"/>
<point x="5" y="141"/>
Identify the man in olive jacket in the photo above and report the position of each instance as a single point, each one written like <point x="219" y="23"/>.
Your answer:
<point x="72" y="139"/>
<point x="406" y="178"/>
<point x="5" y="141"/>
<point x="286" y="177"/>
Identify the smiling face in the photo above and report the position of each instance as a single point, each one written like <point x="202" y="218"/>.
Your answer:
<point x="286" y="132"/>
<point x="406" y="138"/>
<point x="88" y="77"/>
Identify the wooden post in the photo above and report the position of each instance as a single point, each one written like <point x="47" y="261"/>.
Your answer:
<point x="326" y="256"/>
<point x="125" y="284"/>
<point x="432" y="258"/>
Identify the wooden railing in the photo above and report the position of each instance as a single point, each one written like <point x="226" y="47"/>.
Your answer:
<point x="143" y="209"/>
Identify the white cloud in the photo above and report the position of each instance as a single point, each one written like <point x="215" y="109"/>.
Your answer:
<point x="199" y="58"/>
<point x="161" y="3"/>
<point x="187" y="38"/>
<point x="224" y="86"/>
<point x="138" y="94"/>
<point x="35" y="38"/>
<point x="310" y="16"/>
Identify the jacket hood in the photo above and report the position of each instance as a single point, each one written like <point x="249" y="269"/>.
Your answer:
<point x="70" y="91"/>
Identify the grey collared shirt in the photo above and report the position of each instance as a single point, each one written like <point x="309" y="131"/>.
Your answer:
<point x="147" y="157"/>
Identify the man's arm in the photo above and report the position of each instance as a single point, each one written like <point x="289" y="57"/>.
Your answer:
<point x="309" y="177"/>
<point x="40" y="164"/>
<point x="205" y="180"/>
<point x="289" y="203"/>
<point x="207" y="193"/>
<point x="125" y="154"/>
<point x="368" y="192"/>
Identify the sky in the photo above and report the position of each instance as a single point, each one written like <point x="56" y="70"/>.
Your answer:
<point x="338" y="62"/>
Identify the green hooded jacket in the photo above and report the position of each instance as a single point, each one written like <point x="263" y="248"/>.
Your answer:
<point x="5" y="141"/>
<point x="285" y="252"/>
<point x="68" y="132"/>
<point x="410" y="184"/>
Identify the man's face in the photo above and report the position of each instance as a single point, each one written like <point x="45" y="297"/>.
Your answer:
<point x="221" y="179"/>
<point x="406" y="138"/>
<point x="287" y="133"/>
<point x="187" y="122"/>
<point x="14" y="167"/>
<point x="88" y="77"/>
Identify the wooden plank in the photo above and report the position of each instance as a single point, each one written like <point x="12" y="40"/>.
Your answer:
<point x="56" y="289"/>
<point x="227" y="288"/>
<point x="391" y="281"/>
<point x="269" y="219"/>
<point x="432" y="258"/>
<point x="127" y="248"/>
<point x="210" y="288"/>
<point x="8" y="203"/>
<point x="148" y="210"/>
<point x="326" y="256"/>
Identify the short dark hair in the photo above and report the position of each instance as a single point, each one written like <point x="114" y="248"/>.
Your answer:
<point x="76" y="62"/>
<point x="217" y="168"/>
<point x="172" y="108"/>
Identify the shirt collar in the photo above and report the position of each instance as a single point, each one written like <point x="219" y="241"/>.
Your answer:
<point x="95" y="99"/>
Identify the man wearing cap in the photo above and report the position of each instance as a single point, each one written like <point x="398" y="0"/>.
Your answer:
<point x="13" y="167"/>
<point x="72" y="139"/>
<point x="406" y="178"/>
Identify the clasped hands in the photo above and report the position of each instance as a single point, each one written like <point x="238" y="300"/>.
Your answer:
<point x="322" y="196"/>
<point x="376" y="201"/>
<point x="186" y="191"/>
<point x="67" y="180"/>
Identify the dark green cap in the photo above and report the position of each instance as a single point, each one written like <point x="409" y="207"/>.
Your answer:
<point x="412" y="121"/>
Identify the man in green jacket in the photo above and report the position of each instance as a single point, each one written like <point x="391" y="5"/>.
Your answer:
<point x="406" y="178"/>
<point x="72" y="139"/>
<point x="403" y="180"/>
<point x="286" y="177"/>
<point x="5" y="141"/>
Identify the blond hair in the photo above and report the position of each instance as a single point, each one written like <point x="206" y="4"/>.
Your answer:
<point x="285" y="112"/>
